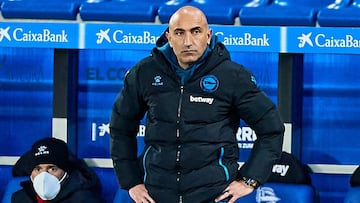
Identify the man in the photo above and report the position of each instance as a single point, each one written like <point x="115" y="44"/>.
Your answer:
<point x="56" y="176"/>
<point x="193" y="96"/>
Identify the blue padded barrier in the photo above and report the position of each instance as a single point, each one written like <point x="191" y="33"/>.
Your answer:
<point x="121" y="11"/>
<point x="12" y="186"/>
<point x="353" y="195"/>
<point x="109" y="185"/>
<point x="218" y="12"/>
<point x="41" y="9"/>
<point x="348" y="16"/>
<point x="284" y="13"/>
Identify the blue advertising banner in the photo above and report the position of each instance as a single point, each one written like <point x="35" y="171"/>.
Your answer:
<point x="39" y="34"/>
<point x="250" y="39"/>
<point x="122" y="36"/>
<point x="26" y="97"/>
<point x="322" y="40"/>
<point x="143" y="37"/>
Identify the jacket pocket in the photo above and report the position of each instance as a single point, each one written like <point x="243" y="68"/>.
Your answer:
<point x="226" y="170"/>
<point x="144" y="162"/>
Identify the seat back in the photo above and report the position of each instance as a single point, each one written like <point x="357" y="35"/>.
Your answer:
<point x="12" y="186"/>
<point x="289" y="182"/>
<point x="288" y="169"/>
<point x="355" y="3"/>
<point x="122" y="196"/>
<point x="40" y="9"/>
<point x="337" y="4"/>
<point x="305" y="3"/>
<point x="281" y="192"/>
<point x="353" y="194"/>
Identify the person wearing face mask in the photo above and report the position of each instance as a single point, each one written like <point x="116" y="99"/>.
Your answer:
<point x="55" y="176"/>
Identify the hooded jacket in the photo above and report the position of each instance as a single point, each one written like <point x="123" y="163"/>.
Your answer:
<point x="81" y="186"/>
<point x="191" y="150"/>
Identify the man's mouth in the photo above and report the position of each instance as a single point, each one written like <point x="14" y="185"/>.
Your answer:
<point x="189" y="51"/>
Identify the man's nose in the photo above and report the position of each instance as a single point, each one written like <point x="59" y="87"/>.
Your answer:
<point x="188" y="39"/>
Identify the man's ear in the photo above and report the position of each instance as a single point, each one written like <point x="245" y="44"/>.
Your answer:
<point x="167" y="34"/>
<point x="209" y="36"/>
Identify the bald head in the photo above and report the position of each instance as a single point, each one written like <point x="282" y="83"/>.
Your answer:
<point x="186" y="12"/>
<point x="188" y="35"/>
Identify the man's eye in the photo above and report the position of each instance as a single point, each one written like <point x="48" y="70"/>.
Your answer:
<point x="196" y="31"/>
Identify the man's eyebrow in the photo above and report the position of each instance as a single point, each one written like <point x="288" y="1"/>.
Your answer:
<point x="179" y="29"/>
<point x="196" y="28"/>
<point x="192" y="29"/>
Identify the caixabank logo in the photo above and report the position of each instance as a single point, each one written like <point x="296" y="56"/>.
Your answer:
<point x="120" y="36"/>
<point x="244" y="38"/>
<point x="322" y="40"/>
<point x="22" y="34"/>
<point x="4" y="33"/>
<point x="327" y="40"/>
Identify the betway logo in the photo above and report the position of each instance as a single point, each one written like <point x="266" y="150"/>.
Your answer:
<point x="280" y="169"/>
<point x="201" y="100"/>
<point x="325" y="41"/>
<point x="246" y="40"/>
<point x="122" y="37"/>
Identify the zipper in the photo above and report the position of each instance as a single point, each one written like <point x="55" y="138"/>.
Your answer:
<point x="179" y="111"/>
<point x="226" y="170"/>
<point x="143" y="162"/>
<point x="178" y="152"/>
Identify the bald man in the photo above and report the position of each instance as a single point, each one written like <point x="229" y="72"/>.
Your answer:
<point x="193" y="97"/>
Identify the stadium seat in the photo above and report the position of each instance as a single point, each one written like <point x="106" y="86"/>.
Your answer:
<point x="284" y="13"/>
<point x="122" y="196"/>
<point x="109" y="185"/>
<point x="281" y="192"/>
<point x="353" y="194"/>
<point x="289" y="182"/>
<point x="40" y="9"/>
<point x="120" y="11"/>
<point x="340" y="16"/>
<point x="218" y="12"/>
<point x="166" y="9"/>
<point x="12" y="186"/>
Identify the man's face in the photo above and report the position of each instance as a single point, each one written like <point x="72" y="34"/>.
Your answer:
<point x="188" y="36"/>
<point x="50" y="168"/>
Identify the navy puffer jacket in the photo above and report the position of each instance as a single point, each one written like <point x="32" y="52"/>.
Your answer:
<point x="191" y="149"/>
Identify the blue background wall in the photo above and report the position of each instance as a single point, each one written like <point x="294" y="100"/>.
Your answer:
<point x="330" y="106"/>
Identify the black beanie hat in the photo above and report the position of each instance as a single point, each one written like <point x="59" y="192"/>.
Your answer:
<point x="50" y="151"/>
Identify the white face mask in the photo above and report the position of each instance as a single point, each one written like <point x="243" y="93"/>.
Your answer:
<point x="47" y="186"/>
